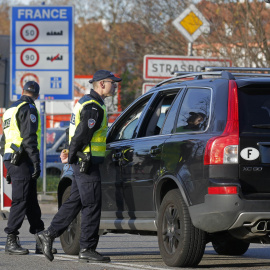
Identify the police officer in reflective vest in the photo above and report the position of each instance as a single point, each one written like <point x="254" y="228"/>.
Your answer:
<point x="21" y="158"/>
<point x="87" y="138"/>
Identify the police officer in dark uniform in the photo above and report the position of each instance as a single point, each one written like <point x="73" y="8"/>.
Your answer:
<point x="21" y="158"/>
<point x="87" y="136"/>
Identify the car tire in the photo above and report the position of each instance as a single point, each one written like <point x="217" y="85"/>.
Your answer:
<point x="226" y="244"/>
<point x="70" y="239"/>
<point x="180" y="243"/>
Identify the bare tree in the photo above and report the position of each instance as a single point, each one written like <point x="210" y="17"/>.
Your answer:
<point x="4" y="17"/>
<point x="239" y="31"/>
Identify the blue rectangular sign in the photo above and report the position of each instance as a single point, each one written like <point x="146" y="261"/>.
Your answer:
<point x="42" y="49"/>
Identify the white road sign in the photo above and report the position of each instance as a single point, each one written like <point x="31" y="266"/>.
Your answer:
<point x="159" y="67"/>
<point x="42" y="57"/>
<point x="147" y="86"/>
<point x="51" y="32"/>
<point x="42" y="49"/>
<point x="191" y="23"/>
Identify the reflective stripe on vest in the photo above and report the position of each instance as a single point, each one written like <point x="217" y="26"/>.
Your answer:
<point x="98" y="141"/>
<point x="11" y="128"/>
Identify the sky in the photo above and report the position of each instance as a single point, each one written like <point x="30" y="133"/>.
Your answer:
<point x="22" y="2"/>
<point x="26" y="2"/>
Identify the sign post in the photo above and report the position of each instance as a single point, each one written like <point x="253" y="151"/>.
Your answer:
<point x="43" y="144"/>
<point x="42" y="50"/>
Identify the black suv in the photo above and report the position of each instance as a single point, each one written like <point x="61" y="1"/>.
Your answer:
<point x="189" y="161"/>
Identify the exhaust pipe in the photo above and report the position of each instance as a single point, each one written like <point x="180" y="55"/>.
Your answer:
<point x="268" y="226"/>
<point x="262" y="226"/>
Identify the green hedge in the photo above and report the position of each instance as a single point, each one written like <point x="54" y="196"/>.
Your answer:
<point x="51" y="184"/>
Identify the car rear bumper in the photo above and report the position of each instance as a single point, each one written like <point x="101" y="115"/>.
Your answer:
<point x="227" y="212"/>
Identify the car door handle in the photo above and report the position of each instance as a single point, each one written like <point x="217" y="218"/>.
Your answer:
<point x="155" y="150"/>
<point x="116" y="156"/>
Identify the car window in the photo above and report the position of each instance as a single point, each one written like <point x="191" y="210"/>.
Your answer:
<point x="52" y="136"/>
<point x="195" y="111"/>
<point x="154" y="123"/>
<point x="61" y="146"/>
<point x="171" y="114"/>
<point x="126" y="128"/>
<point x="254" y="109"/>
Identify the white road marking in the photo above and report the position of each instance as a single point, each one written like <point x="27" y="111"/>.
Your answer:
<point x="112" y="264"/>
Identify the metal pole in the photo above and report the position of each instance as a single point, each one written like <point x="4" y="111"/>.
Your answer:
<point x="6" y="97"/>
<point x="43" y="144"/>
<point x="190" y="49"/>
<point x="2" y="182"/>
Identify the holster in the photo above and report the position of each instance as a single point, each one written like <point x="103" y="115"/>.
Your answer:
<point x="16" y="156"/>
<point x="85" y="161"/>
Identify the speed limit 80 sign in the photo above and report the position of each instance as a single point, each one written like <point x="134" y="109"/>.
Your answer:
<point x="42" y="49"/>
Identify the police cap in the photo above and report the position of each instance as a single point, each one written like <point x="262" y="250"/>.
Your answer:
<point x="31" y="86"/>
<point x="104" y="74"/>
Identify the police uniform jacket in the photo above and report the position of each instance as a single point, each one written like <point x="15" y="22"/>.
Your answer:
<point x="28" y="128"/>
<point x="83" y="134"/>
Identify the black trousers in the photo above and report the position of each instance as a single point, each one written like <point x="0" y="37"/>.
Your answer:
<point x="85" y="196"/>
<point x="24" y="198"/>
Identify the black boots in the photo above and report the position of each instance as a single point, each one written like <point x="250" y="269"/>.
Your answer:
<point x="90" y="255"/>
<point x="45" y="240"/>
<point x="39" y="249"/>
<point x="13" y="246"/>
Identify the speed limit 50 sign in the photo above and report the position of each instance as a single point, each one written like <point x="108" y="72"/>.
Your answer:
<point x="42" y="49"/>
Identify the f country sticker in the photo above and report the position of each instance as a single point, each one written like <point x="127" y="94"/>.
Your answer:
<point x="249" y="153"/>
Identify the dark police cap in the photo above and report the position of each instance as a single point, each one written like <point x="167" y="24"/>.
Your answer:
<point x="104" y="74"/>
<point x="32" y="86"/>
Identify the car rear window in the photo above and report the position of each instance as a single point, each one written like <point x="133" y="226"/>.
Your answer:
<point x="254" y="109"/>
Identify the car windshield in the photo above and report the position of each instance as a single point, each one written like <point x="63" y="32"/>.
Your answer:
<point x="52" y="136"/>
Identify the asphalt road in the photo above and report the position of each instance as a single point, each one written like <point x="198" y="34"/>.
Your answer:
<point x="127" y="252"/>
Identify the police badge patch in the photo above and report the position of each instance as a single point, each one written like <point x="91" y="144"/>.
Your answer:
<point x="91" y="123"/>
<point x="33" y="118"/>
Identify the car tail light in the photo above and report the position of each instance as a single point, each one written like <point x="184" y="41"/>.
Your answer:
<point x="222" y="190"/>
<point x="224" y="148"/>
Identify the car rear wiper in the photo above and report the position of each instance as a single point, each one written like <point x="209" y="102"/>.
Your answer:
<point x="261" y="126"/>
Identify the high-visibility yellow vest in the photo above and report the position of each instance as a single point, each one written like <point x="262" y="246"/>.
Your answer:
<point x="97" y="146"/>
<point x="11" y="128"/>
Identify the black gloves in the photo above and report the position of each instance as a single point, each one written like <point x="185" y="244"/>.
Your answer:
<point x="37" y="170"/>
<point x="8" y="178"/>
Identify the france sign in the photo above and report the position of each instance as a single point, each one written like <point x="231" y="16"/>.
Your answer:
<point x="160" y="67"/>
<point x="42" y="49"/>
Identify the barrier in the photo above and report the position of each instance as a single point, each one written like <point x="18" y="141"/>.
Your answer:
<point x="6" y="189"/>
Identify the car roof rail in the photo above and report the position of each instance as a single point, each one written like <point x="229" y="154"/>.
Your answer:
<point x="196" y="75"/>
<point x="223" y="72"/>
<point x="239" y="69"/>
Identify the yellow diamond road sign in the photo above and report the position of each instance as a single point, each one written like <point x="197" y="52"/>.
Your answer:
<point x="191" y="23"/>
